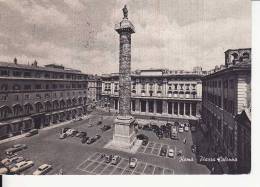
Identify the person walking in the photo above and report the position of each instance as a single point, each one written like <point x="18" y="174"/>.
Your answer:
<point x="184" y="140"/>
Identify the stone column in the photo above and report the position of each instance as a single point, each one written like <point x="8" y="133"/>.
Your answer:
<point x="190" y="109"/>
<point x="124" y="137"/>
<point x="178" y="103"/>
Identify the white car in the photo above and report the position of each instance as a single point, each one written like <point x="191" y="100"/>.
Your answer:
<point x="21" y="166"/>
<point x="9" y="161"/>
<point x="133" y="162"/>
<point x="3" y="170"/>
<point x="181" y="129"/>
<point x="43" y="169"/>
<point x="171" y="153"/>
<point x="186" y="128"/>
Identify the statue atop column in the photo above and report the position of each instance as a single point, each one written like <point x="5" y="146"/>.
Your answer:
<point x="125" y="12"/>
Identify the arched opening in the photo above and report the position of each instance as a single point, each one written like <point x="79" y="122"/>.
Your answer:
<point x="17" y="110"/>
<point x="55" y="105"/>
<point x="28" y="108"/>
<point x="5" y="112"/>
<point x="48" y="106"/>
<point x="38" y="107"/>
<point x="62" y="104"/>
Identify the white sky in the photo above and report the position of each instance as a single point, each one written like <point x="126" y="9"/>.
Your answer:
<point x="173" y="34"/>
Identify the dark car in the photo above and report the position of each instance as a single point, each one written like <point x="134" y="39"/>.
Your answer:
<point x="159" y="134"/>
<point x="91" y="140"/>
<point x="146" y="127"/>
<point x="105" y="128"/>
<point x="84" y="139"/>
<point x="141" y="136"/>
<point x="163" y="151"/>
<point x="32" y="132"/>
<point x="145" y="141"/>
<point x="168" y="125"/>
<point x="81" y="134"/>
<point x="15" y="148"/>
<point x="74" y="132"/>
<point x="99" y="122"/>
<point x="63" y="130"/>
<point x="97" y="137"/>
<point x="108" y="158"/>
<point x="194" y="148"/>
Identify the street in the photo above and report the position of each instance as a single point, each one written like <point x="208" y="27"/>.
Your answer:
<point x="73" y="157"/>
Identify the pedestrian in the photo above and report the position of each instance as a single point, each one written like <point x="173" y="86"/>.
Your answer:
<point x="184" y="140"/>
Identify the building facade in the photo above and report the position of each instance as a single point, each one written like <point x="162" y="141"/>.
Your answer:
<point x="34" y="97"/>
<point x="158" y="92"/>
<point x="225" y="94"/>
<point x="94" y="88"/>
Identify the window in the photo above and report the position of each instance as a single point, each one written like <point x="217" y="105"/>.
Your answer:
<point x="38" y="86"/>
<point x="27" y="87"/>
<point x="27" y="74"/>
<point x="4" y="73"/>
<point x="38" y="96"/>
<point x="54" y="86"/>
<point x="16" y="87"/>
<point x="4" y="87"/>
<point x="47" y="86"/>
<point x="47" y="96"/>
<point x="219" y="84"/>
<point x="26" y="96"/>
<point x="231" y="83"/>
<point x="16" y="97"/>
<point x="3" y="97"/>
<point x="17" y="74"/>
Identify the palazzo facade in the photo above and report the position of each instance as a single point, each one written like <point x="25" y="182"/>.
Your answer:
<point x="32" y="96"/>
<point x="158" y="92"/>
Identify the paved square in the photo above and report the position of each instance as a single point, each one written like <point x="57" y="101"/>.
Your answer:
<point x="95" y="165"/>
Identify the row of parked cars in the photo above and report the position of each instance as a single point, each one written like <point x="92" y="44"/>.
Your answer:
<point x="69" y="132"/>
<point x="115" y="159"/>
<point x="14" y="164"/>
<point x="169" y="130"/>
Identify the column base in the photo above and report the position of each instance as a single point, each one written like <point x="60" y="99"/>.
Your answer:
<point x="124" y="137"/>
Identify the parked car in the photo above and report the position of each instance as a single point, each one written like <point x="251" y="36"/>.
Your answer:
<point x="8" y="157"/>
<point x="43" y="169"/>
<point x="163" y="151"/>
<point x="171" y="153"/>
<point x="15" y="148"/>
<point x="115" y="160"/>
<point x="145" y="141"/>
<point x="174" y="133"/>
<point x="32" y="132"/>
<point x="63" y="135"/>
<point x="84" y="139"/>
<point x="108" y="158"/>
<point x="105" y="128"/>
<point x="74" y="132"/>
<point x="159" y="134"/>
<point x="3" y="169"/>
<point x="21" y="166"/>
<point x="193" y="128"/>
<point x="64" y="130"/>
<point x="81" y="134"/>
<point x="132" y="162"/>
<point x="96" y="137"/>
<point x="147" y="127"/>
<point x="17" y="159"/>
<point x="181" y="129"/>
<point x="91" y="140"/>
<point x="186" y="127"/>
<point x="179" y="153"/>
<point x="12" y="164"/>
<point x="194" y="148"/>
<point x="141" y="136"/>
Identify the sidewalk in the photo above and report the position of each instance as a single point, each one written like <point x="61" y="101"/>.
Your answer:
<point x="43" y="129"/>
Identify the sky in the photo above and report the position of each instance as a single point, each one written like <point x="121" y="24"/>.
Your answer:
<point x="172" y="34"/>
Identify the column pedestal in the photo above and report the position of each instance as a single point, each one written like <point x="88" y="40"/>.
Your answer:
<point x="124" y="137"/>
